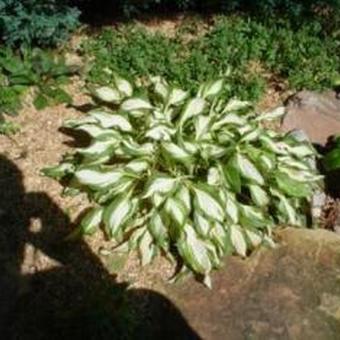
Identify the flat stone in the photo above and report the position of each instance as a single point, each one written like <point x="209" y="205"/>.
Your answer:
<point x="291" y="292"/>
<point x="318" y="114"/>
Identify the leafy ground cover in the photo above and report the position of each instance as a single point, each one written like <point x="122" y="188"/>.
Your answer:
<point x="255" y="53"/>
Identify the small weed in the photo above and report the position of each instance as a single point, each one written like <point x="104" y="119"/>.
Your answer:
<point x="9" y="128"/>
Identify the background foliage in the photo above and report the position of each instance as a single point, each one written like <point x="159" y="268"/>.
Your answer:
<point x="256" y="53"/>
<point x="36" y="22"/>
<point x="331" y="160"/>
<point x="286" y="7"/>
<point x="42" y="70"/>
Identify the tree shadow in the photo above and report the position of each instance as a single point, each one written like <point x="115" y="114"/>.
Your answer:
<point x="76" y="298"/>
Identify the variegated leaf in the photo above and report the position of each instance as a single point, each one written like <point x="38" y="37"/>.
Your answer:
<point x="201" y="224"/>
<point x="254" y="238"/>
<point x="97" y="148"/>
<point x="248" y="169"/>
<point x="176" y="153"/>
<point x="74" y="123"/>
<point x="302" y="150"/>
<point x="230" y="118"/>
<point x="214" y="151"/>
<point x="286" y="209"/>
<point x="131" y="148"/>
<point x="177" y="96"/>
<point x="236" y="105"/>
<point x="208" y="204"/>
<point x="118" y="213"/>
<point x="123" y="86"/>
<point x="108" y="120"/>
<point x="258" y="195"/>
<point x="279" y="112"/>
<point x="212" y="89"/>
<point x="202" y="125"/>
<point x="194" y="251"/>
<point x="59" y="171"/>
<point x="238" y="240"/>
<point x="96" y="131"/>
<point x="160" y="132"/>
<point x="137" y="166"/>
<point x="231" y="207"/>
<point x="160" y="184"/>
<point x="252" y="216"/>
<point x="183" y="195"/>
<point x="136" y="104"/>
<point x="176" y="209"/>
<point x="146" y="248"/>
<point x="279" y="148"/>
<point x="214" y="176"/>
<point x="107" y="94"/>
<point x="91" y="221"/>
<point x="161" y="87"/>
<point x="97" y="178"/>
<point x="194" y="108"/>
<point x="157" y="228"/>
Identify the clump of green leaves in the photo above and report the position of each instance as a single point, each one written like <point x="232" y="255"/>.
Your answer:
<point x="42" y="70"/>
<point x="36" y="22"/>
<point x="331" y="160"/>
<point x="9" y="98"/>
<point x="8" y="128"/>
<point x="197" y="177"/>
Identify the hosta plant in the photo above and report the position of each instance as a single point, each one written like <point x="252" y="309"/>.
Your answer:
<point x="196" y="177"/>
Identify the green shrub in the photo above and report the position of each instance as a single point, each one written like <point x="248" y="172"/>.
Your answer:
<point x="195" y="177"/>
<point x="36" y="22"/>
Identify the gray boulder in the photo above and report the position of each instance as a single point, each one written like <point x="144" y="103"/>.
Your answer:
<point x="317" y="114"/>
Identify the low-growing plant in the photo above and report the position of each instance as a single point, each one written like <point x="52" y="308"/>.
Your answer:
<point x="39" y="69"/>
<point x="8" y="128"/>
<point x="193" y="177"/>
<point x="259" y="55"/>
<point x="331" y="160"/>
<point x="9" y="98"/>
<point x="36" y="22"/>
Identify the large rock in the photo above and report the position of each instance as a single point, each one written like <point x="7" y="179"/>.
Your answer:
<point x="318" y="114"/>
<point x="291" y="292"/>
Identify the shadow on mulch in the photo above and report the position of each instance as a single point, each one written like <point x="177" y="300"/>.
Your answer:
<point x="76" y="299"/>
